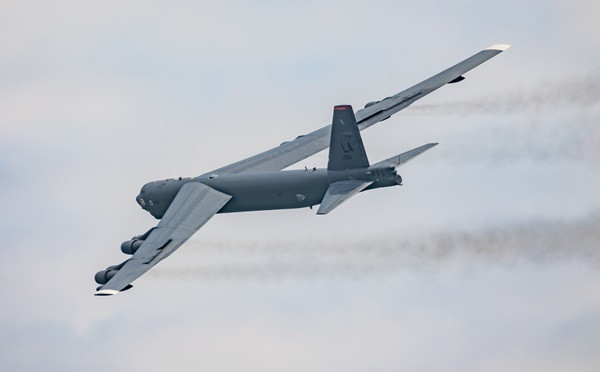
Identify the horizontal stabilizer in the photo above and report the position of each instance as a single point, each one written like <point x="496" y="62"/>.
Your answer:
<point x="398" y="160"/>
<point x="340" y="191"/>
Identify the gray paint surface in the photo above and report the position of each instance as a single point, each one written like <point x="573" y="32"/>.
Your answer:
<point x="289" y="153"/>
<point x="340" y="191"/>
<point x="346" y="149"/>
<point x="257" y="183"/>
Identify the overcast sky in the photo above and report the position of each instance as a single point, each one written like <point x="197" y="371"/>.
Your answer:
<point x="486" y="259"/>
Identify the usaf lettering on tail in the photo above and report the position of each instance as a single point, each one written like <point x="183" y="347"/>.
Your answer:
<point x="184" y="205"/>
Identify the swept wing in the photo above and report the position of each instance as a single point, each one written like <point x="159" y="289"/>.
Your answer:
<point x="193" y="206"/>
<point x="307" y="145"/>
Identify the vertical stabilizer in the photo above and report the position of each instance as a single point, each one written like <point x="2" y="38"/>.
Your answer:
<point x="346" y="150"/>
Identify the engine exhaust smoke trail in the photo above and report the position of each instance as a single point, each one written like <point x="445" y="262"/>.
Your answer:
<point x="538" y="242"/>
<point x="570" y="93"/>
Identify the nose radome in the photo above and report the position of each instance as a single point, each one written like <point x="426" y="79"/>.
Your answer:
<point x="143" y="195"/>
<point x="140" y="200"/>
<point x="145" y="190"/>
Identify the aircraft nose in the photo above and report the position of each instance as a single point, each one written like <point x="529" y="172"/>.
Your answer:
<point x="140" y="200"/>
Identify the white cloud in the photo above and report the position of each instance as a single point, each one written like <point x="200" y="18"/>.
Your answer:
<point x="98" y="99"/>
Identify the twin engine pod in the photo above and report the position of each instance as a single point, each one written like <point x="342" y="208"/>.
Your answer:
<point x="131" y="246"/>
<point x="128" y="247"/>
<point x="102" y="277"/>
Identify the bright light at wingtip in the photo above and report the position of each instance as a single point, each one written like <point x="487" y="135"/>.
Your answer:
<point x="106" y="292"/>
<point x="500" y="47"/>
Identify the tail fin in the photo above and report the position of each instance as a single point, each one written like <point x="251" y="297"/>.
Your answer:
<point x="346" y="150"/>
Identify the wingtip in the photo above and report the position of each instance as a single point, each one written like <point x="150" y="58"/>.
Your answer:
<point x="500" y="47"/>
<point x="106" y="292"/>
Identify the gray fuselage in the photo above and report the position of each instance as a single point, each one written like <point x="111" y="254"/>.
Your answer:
<point x="264" y="190"/>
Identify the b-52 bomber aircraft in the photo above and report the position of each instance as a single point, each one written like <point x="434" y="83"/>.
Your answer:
<point x="259" y="182"/>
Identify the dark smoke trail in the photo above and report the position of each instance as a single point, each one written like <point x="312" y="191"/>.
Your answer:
<point x="538" y="242"/>
<point x="573" y="92"/>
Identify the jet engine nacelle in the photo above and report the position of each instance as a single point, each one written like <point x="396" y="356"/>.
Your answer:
<point x="371" y="103"/>
<point x="130" y="246"/>
<point x="102" y="277"/>
<point x="399" y="180"/>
